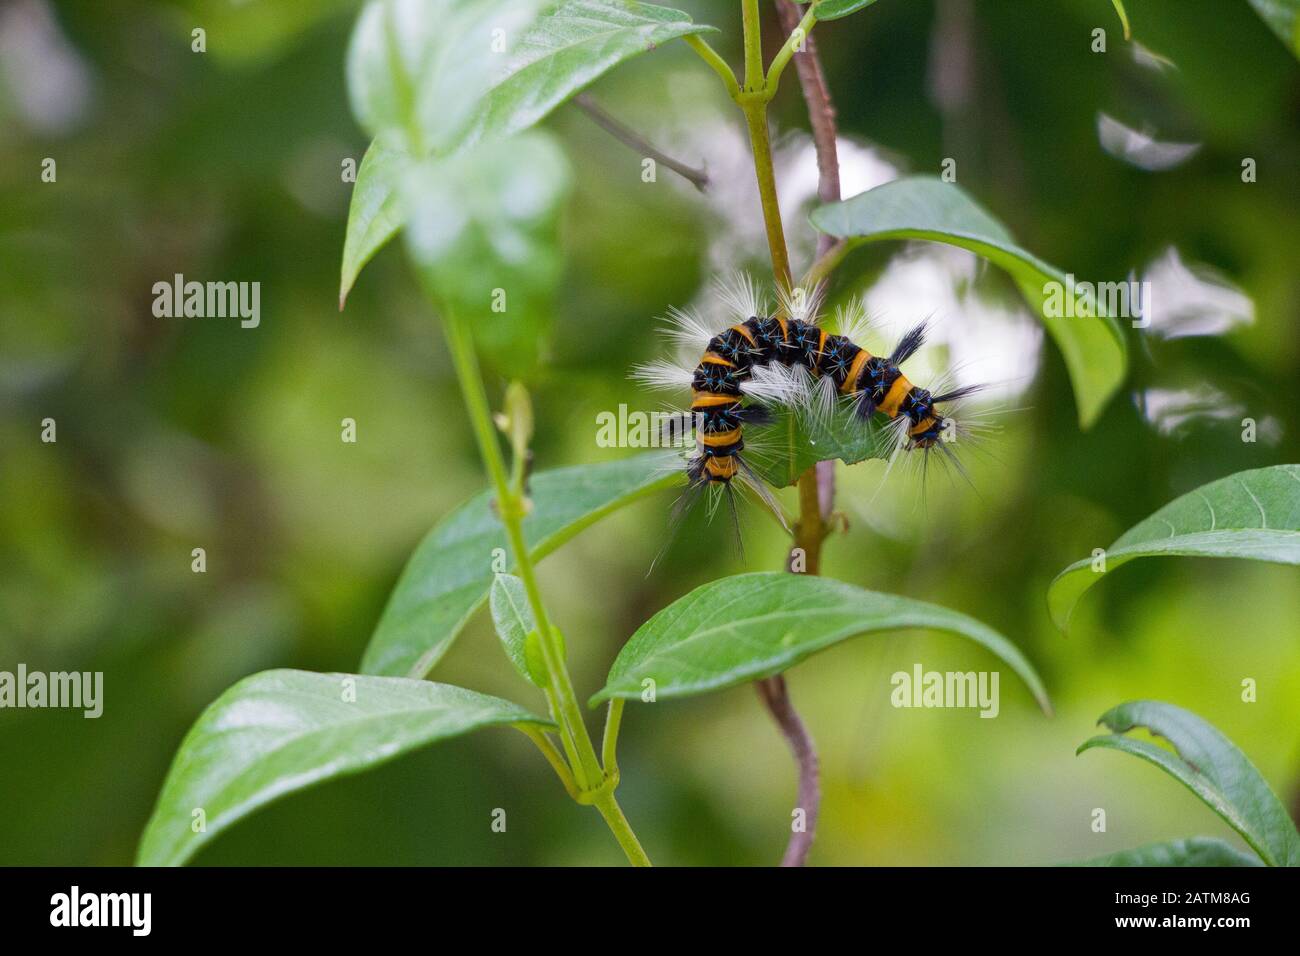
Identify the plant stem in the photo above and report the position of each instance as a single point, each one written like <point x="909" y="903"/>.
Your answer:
<point x="774" y="694"/>
<point x="609" y="745"/>
<point x="826" y="262"/>
<point x="716" y="63"/>
<point x="821" y="113"/>
<point x="753" y="102"/>
<point x="553" y="758"/>
<point x="810" y="530"/>
<point x="800" y="35"/>
<point x="635" y="141"/>
<point x="511" y="508"/>
<point x="618" y="825"/>
<point x="756" y="119"/>
<point x="751" y="22"/>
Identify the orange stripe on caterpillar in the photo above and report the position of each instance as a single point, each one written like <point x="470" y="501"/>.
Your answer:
<point x="821" y="350"/>
<point x="855" y="370"/>
<point x="709" y="399"/>
<point x="894" y="398"/>
<point x="717" y="359"/>
<point x="749" y="337"/>
<point x="723" y="468"/>
<point x="717" y="439"/>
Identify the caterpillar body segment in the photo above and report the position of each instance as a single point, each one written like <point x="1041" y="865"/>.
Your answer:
<point x="788" y="359"/>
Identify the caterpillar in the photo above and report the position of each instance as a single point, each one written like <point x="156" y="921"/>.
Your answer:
<point x="789" y="358"/>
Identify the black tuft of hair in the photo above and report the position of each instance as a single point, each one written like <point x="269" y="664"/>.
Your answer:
<point x="957" y="393"/>
<point x="910" y="343"/>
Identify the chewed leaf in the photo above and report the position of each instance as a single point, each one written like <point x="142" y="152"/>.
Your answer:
<point x="750" y="626"/>
<point x="1252" y="514"/>
<point x="795" y="441"/>
<point x="1210" y="765"/>
<point x="281" y="731"/>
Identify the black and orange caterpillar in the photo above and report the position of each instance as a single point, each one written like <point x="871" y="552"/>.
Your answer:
<point x="874" y="383"/>
<point x="763" y="344"/>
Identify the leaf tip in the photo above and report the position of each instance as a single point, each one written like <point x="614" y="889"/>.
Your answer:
<point x="1088" y="745"/>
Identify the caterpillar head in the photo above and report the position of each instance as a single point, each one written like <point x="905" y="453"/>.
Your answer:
<point x="932" y="432"/>
<point x="927" y="426"/>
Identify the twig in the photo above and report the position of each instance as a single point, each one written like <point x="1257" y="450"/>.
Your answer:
<point x="817" y="486"/>
<point x="821" y="117"/>
<point x="821" y="113"/>
<point x="633" y="140"/>
<point x="774" y="694"/>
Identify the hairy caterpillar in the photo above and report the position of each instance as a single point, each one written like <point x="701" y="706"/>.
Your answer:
<point x="788" y="358"/>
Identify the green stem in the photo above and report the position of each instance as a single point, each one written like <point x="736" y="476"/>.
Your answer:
<point x="609" y="747"/>
<point x="753" y="102"/>
<point x="716" y="63"/>
<point x="797" y="37"/>
<point x="511" y="508"/>
<point x="622" y="830"/>
<point x="825" y="264"/>
<point x="553" y="757"/>
<point x="753" y="45"/>
<point x="756" y="120"/>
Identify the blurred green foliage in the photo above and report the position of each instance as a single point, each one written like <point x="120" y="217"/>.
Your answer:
<point x="175" y="434"/>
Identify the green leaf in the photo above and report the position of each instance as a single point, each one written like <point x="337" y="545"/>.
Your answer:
<point x="1283" y="18"/>
<point x="486" y="220"/>
<point x="426" y="80"/>
<point x="1252" y="514"/>
<point x="375" y="213"/>
<point x="795" y="442"/>
<point x="1210" y="765"/>
<point x="419" y="69"/>
<point x="834" y="9"/>
<point x="514" y="621"/>
<point x="570" y="45"/>
<point x="1193" y="851"/>
<point x="1123" y="18"/>
<point x="281" y="731"/>
<point x="750" y="626"/>
<point x="451" y="571"/>
<point x="923" y="207"/>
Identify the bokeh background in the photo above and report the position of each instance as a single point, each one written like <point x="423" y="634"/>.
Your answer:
<point x="176" y="433"/>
